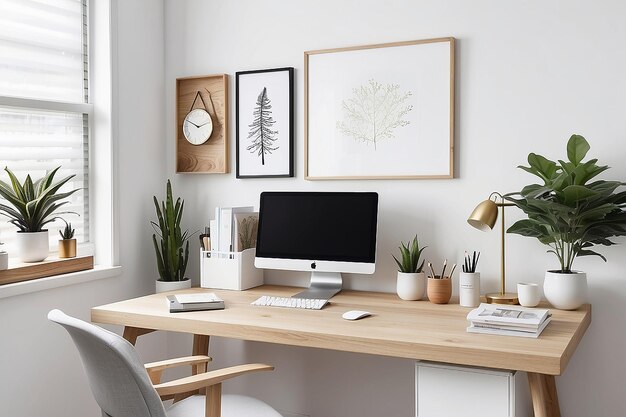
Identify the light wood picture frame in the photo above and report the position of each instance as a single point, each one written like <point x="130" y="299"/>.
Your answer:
<point x="383" y="111"/>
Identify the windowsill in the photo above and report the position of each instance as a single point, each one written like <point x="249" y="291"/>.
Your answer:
<point x="40" y="284"/>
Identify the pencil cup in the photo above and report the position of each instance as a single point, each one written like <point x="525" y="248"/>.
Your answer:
<point x="469" y="289"/>
<point x="439" y="290"/>
<point x="529" y="295"/>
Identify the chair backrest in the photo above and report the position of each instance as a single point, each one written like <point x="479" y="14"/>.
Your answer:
<point x="118" y="379"/>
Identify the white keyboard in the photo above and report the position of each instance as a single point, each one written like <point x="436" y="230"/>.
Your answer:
<point x="305" y="303"/>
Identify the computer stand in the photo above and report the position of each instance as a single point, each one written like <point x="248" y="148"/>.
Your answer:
<point x="323" y="286"/>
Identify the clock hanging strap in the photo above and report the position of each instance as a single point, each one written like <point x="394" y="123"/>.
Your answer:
<point x="201" y="99"/>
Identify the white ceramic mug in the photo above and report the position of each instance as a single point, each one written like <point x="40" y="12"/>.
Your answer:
<point x="529" y="294"/>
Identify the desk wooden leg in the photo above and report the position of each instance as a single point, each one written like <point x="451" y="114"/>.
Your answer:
<point x="544" y="396"/>
<point x="132" y="333"/>
<point x="200" y="344"/>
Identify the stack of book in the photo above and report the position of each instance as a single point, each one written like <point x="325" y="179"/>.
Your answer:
<point x="508" y="320"/>
<point x="194" y="302"/>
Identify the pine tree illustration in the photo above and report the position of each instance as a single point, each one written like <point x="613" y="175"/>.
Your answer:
<point x="261" y="133"/>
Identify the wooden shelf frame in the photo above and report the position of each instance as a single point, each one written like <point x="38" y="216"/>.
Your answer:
<point x="210" y="157"/>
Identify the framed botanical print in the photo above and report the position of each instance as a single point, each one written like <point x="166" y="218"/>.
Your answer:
<point x="264" y="114"/>
<point x="381" y="111"/>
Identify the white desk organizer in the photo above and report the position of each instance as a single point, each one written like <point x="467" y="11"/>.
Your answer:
<point x="229" y="270"/>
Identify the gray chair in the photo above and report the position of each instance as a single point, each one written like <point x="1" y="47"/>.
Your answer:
<point x="124" y="387"/>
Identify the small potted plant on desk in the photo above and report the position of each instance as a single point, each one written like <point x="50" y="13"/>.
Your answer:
<point x="171" y="245"/>
<point x="33" y="206"/>
<point x="67" y="244"/>
<point x="570" y="215"/>
<point x="411" y="281"/>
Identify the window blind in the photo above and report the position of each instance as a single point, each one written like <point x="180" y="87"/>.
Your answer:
<point x="44" y="61"/>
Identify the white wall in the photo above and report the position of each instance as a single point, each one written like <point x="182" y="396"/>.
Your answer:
<point x="40" y="369"/>
<point x="529" y="74"/>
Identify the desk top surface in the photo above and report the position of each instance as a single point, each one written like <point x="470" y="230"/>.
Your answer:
<point x="397" y="328"/>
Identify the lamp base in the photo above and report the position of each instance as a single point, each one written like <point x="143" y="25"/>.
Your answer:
<point x="499" y="298"/>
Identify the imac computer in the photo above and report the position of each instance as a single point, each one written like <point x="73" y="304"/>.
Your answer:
<point x="324" y="233"/>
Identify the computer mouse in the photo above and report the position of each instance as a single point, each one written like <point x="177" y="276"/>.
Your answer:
<point x="355" y="314"/>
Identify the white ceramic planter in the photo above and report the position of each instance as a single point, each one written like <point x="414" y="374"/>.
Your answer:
<point x="4" y="261"/>
<point x="469" y="289"/>
<point x="565" y="291"/>
<point x="411" y="286"/>
<point x="33" y="246"/>
<point x="164" y="286"/>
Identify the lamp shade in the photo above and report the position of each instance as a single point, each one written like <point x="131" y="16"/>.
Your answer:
<point x="484" y="216"/>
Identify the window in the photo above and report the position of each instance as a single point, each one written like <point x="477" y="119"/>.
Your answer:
<point x="44" y="101"/>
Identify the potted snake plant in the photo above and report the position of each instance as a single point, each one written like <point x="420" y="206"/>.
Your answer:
<point x="32" y="205"/>
<point x="411" y="282"/>
<point x="171" y="245"/>
<point x="571" y="214"/>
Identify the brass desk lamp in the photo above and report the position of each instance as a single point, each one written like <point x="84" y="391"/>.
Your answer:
<point x="483" y="218"/>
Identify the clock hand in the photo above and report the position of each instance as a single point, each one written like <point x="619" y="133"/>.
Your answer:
<point x="192" y="123"/>
<point x="205" y="123"/>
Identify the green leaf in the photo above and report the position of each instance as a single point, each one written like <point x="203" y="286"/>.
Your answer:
<point x="585" y="252"/>
<point x="542" y="167"/>
<point x="577" y="148"/>
<point x="528" y="227"/>
<point x="575" y="193"/>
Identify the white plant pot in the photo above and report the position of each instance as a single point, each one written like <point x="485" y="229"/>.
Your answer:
<point x="565" y="291"/>
<point x="4" y="261"/>
<point x="164" y="286"/>
<point x="411" y="286"/>
<point x="33" y="246"/>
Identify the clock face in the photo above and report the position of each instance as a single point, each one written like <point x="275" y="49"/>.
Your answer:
<point x="197" y="126"/>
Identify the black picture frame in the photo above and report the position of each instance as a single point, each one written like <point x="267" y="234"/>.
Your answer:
<point x="252" y="95"/>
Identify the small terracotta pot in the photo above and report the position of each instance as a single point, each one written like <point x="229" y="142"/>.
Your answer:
<point x="67" y="248"/>
<point x="439" y="290"/>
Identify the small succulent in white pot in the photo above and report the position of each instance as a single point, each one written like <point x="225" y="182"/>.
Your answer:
<point x="411" y="281"/>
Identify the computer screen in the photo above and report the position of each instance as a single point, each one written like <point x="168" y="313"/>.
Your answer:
<point x="320" y="232"/>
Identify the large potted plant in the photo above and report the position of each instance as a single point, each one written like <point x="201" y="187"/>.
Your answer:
<point x="171" y="245"/>
<point x="32" y="206"/>
<point x="411" y="281"/>
<point x="571" y="214"/>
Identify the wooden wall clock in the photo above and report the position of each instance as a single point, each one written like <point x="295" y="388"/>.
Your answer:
<point x="202" y="124"/>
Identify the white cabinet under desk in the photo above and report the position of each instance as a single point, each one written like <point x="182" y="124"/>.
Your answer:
<point x="443" y="390"/>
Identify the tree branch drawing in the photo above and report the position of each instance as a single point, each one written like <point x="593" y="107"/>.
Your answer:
<point x="261" y="133"/>
<point x="374" y="111"/>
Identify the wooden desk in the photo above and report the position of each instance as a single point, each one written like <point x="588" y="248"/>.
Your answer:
<point x="404" y="329"/>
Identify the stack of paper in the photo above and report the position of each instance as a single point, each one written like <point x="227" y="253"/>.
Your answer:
<point x="195" y="302"/>
<point x="508" y="320"/>
<point x="223" y="233"/>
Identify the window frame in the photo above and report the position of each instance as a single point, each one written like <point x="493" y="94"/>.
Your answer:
<point x="101" y="111"/>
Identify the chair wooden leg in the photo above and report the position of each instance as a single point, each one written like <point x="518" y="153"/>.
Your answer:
<point x="214" y="401"/>
<point x="544" y="396"/>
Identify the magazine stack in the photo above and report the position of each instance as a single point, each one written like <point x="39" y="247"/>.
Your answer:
<point x="508" y="320"/>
